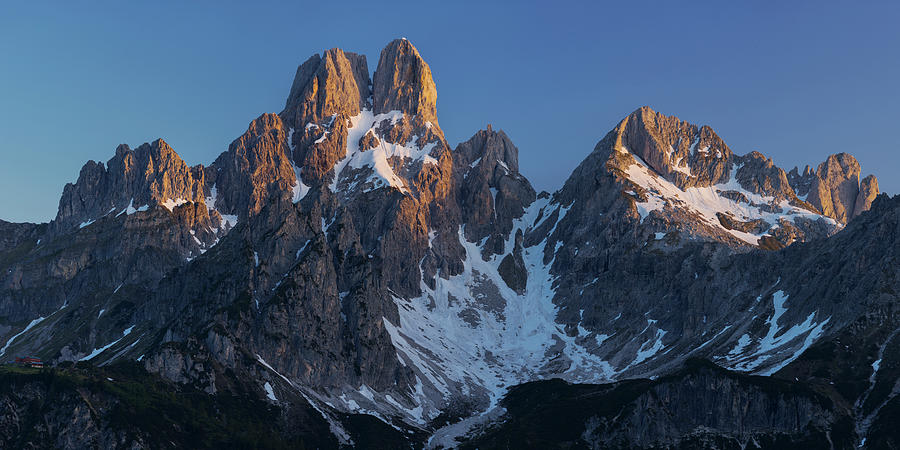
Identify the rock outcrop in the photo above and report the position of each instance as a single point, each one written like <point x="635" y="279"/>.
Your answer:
<point x="255" y="169"/>
<point x="868" y="191"/>
<point x="492" y="191"/>
<point x="403" y="82"/>
<point x="759" y="175"/>
<point x="836" y="187"/>
<point x="684" y="153"/>
<point x="151" y="174"/>
<point x="333" y="83"/>
<point x="327" y="92"/>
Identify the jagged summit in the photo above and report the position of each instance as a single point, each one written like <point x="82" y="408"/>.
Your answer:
<point x="338" y="82"/>
<point x="255" y="170"/>
<point x="835" y="188"/>
<point x="337" y="124"/>
<point x="347" y="130"/>
<point x="333" y="83"/>
<point x="403" y="82"/>
<point x="695" y="156"/>
<point x="683" y="152"/>
<point x="670" y="165"/>
<point x="148" y="175"/>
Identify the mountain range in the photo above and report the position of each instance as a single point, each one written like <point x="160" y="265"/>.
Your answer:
<point x="341" y="276"/>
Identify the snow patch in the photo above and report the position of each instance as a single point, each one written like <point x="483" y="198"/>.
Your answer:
<point x="270" y="392"/>
<point x="742" y="344"/>
<point x="377" y="159"/>
<point x="130" y="209"/>
<point x="649" y="349"/>
<point x="299" y="189"/>
<point x="707" y="201"/>
<point x="303" y="248"/>
<point x="229" y="219"/>
<point x="171" y="204"/>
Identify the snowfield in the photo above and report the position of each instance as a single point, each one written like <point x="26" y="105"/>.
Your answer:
<point x="707" y="201"/>
<point x="377" y="159"/>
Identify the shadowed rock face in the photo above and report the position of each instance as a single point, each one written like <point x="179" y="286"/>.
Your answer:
<point x="14" y="234"/>
<point x="492" y="191"/>
<point x="801" y="182"/>
<point x="699" y="407"/>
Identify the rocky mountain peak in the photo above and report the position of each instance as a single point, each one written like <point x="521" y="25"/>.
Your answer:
<point x="336" y="82"/>
<point x="256" y="168"/>
<point x="759" y="175"/>
<point x="684" y="153"/>
<point x="355" y="135"/>
<point x="671" y="175"/>
<point x="836" y="188"/>
<point x="148" y="175"/>
<point x="493" y="192"/>
<point x="403" y="82"/>
<point x="492" y="147"/>
<point x="800" y="182"/>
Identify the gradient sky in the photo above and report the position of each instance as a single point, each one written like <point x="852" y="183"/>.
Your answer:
<point x="795" y="80"/>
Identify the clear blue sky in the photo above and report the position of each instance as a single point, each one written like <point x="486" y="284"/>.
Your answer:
<point x="794" y="80"/>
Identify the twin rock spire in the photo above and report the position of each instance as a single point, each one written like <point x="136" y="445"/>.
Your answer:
<point x="337" y="82"/>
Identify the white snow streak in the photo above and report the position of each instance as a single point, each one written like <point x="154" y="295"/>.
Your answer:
<point x="105" y="347"/>
<point x="30" y="326"/>
<point x="776" y="341"/>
